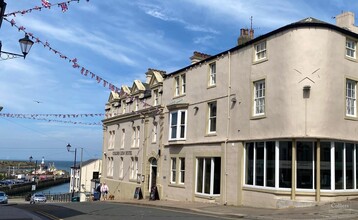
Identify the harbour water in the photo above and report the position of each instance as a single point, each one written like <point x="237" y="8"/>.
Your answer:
<point x="63" y="188"/>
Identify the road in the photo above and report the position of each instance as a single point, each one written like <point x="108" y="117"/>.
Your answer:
<point x="103" y="211"/>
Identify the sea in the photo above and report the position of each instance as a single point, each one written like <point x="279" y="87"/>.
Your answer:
<point x="59" y="189"/>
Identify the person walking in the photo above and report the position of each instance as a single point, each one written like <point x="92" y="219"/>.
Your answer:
<point x="104" y="191"/>
<point x="98" y="190"/>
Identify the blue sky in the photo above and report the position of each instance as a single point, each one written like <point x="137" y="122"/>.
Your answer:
<point x="118" y="41"/>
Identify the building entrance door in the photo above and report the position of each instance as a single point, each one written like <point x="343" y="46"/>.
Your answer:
<point x="153" y="173"/>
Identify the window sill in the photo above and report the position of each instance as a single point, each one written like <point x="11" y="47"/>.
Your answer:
<point x="257" y="117"/>
<point x="176" y="141"/>
<point x="259" y="61"/>
<point x="134" y="148"/>
<point x="211" y="86"/>
<point x="211" y="134"/>
<point x="206" y="196"/>
<point x="179" y="96"/>
<point x="351" y="59"/>
<point x="352" y="118"/>
<point x="276" y="191"/>
<point x="176" y="185"/>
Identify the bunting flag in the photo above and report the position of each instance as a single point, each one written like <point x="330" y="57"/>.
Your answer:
<point x="84" y="71"/>
<point x="22" y="116"/>
<point x="45" y="4"/>
<point x="64" y="6"/>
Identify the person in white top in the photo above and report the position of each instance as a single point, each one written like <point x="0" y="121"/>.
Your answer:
<point x="104" y="191"/>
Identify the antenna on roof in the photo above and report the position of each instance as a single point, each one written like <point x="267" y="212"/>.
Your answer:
<point x="251" y="18"/>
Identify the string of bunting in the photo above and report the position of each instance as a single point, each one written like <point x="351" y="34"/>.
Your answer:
<point x="84" y="71"/>
<point x="45" y="5"/>
<point x="49" y="120"/>
<point x="74" y="61"/>
<point x="52" y="115"/>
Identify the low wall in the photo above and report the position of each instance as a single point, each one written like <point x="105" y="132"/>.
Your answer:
<point x="26" y="187"/>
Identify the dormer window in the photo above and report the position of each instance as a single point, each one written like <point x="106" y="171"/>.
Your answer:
<point x="155" y="97"/>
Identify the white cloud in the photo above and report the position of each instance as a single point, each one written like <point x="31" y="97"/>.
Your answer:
<point x="203" y="40"/>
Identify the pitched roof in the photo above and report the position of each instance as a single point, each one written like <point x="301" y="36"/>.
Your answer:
<point x="87" y="162"/>
<point x="307" y="22"/>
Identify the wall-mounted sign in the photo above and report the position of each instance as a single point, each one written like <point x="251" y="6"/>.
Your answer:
<point x="121" y="153"/>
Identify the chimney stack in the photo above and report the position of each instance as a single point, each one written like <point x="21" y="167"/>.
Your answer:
<point x="346" y="20"/>
<point x="245" y="36"/>
<point x="197" y="57"/>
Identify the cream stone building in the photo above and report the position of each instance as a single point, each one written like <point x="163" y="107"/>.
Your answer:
<point x="132" y="140"/>
<point x="271" y="122"/>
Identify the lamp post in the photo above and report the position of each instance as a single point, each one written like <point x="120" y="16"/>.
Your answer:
<point x="25" y="44"/>
<point x="74" y="168"/>
<point x="2" y="10"/>
<point x="30" y="159"/>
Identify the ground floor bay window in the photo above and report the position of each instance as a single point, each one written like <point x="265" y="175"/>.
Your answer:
<point x="208" y="174"/>
<point x="268" y="164"/>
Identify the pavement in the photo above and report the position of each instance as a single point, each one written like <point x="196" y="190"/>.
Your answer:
<point x="338" y="210"/>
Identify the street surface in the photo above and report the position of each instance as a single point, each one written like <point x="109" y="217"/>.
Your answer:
<point x="165" y="209"/>
<point x="100" y="211"/>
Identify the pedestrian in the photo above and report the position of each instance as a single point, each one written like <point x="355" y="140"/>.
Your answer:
<point x="98" y="190"/>
<point x="104" y="191"/>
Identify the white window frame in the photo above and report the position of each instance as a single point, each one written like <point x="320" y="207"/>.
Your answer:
<point x="110" y="166"/>
<point x="155" y="97"/>
<point x="121" y="167"/>
<point x="260" y="51"/>
<point x="177" y="86"/>
<point x="138" y="136"/>
<point x="111" y="141"/>
<point x="124" y="106"/>
<point x="180" y="85"/>
<point x="211" y="117"/>
<point x="259" y="98"/>
<point x="136" y="104"/>
<point x="154" y="132"/>
<point x="212" y="74"/>
<point x="134" y="168"/>
<point x="178" y="125"/>
<point x="123" y="138"/>
<point x="181" y="170"/>
<point x="351" y="48"/>
<point x="173" y="170"/>
<point x="183" y="83"/>
<point x="351" y="98"/>
<point x="135" y="137"/>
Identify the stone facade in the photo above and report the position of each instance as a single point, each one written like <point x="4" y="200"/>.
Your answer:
<point x="271" y="122"/>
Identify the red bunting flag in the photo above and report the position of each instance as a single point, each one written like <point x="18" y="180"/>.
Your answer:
<point x="64" y="6"/>
<point x="46" y="3"/>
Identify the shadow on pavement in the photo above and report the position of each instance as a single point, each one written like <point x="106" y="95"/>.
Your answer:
<point x="50" y="210"/>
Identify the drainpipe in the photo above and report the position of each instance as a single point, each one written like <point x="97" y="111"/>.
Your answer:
<point x="227" y="128"/>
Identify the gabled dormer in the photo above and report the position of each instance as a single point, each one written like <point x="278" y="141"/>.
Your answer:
<point x="137" y="88"/>
<point x="156" y="80"/>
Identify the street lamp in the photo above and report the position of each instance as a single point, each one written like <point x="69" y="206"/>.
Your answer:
<point x="2" y="10"/>
<point x="30" y="159"/>
<point x="25" y="44"/>
<point x="74" y="167"/>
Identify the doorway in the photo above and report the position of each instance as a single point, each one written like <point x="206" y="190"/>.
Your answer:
<point x="153" y="173"/>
